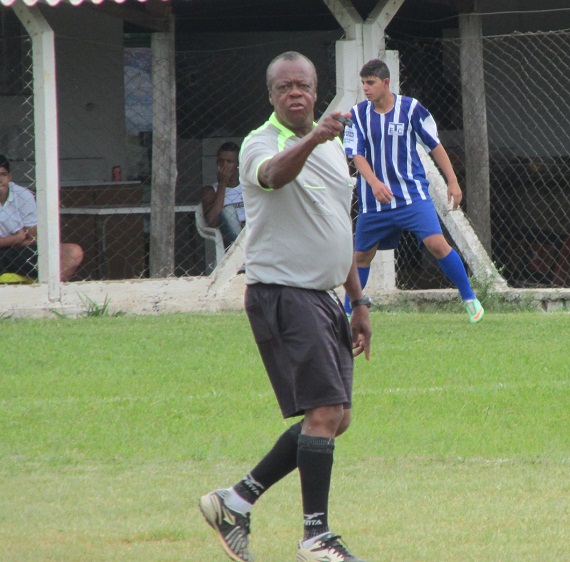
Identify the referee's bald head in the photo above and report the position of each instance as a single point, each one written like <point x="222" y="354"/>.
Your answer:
<point x="291" y="56"/>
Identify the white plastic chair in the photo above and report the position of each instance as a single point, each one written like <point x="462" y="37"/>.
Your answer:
<point x="214" y="242"/>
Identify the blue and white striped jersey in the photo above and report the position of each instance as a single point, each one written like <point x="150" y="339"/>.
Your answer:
<point x="389" y="144"/>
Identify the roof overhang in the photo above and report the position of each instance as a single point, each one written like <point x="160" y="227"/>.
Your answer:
<point x="153" y="15"/>
<point x="72" y="2"/>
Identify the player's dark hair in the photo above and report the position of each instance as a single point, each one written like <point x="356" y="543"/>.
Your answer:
<point x="4" y="163"/>
<point x="228" y="147"/>
<point x="375" y="67"/>
<point x="289" y="56"/>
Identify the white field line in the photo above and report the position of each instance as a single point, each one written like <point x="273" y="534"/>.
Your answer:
<point x="178" y="396"/>
<point x="221" y="394"/>
<point x="465" y="389"/>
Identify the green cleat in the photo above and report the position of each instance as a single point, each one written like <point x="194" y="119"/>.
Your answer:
<point x="474" y="310"/>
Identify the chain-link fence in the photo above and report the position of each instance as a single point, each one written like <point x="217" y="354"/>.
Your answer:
<point x="526" y="85"/>
<point x="221" y="96"/>
<point x="16" y="142"/>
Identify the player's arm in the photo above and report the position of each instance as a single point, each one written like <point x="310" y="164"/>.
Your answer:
<point x="380" y="190"/>
<point x="285" y="166"/>
<point x="360" y="318"/>
<point x="441" y="158"/>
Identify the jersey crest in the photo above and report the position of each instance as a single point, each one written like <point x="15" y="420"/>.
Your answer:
<point x="396" y="129"/>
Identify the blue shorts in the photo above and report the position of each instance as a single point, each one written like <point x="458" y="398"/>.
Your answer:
<point x="385" y="228"/>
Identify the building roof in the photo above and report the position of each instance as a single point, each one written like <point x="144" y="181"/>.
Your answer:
<point x="55" y="2"/>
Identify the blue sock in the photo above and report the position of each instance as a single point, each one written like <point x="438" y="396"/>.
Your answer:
<point x="363" y="273"/>
<point x="454" y="270"/>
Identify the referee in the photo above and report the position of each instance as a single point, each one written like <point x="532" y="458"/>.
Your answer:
<point x="297" y="193"/>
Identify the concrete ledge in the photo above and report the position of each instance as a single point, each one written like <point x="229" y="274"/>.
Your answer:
<point x="548" y="300"/>
<point x="219" y="292"/>
<point x="145" y="296"/>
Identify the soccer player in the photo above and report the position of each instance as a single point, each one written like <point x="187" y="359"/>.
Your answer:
<point x="297" y="194"/>
<point x="392" y="186"/>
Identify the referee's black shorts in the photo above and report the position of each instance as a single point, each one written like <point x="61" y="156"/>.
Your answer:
<point x="304" y="339"/>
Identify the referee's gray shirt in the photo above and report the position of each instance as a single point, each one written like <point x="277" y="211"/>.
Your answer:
<point x="301" y="234"/>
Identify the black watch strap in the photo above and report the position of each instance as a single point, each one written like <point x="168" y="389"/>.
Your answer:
<point x="364" y="301"/>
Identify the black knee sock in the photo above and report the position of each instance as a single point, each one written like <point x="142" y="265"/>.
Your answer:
<point x="280" y="461"/>
<point x="315" y="462"/>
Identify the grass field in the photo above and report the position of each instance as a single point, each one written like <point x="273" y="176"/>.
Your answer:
<point x="112" y="427"/>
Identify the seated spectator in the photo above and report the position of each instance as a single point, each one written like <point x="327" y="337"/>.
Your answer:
<point x="223" y="201"/>
<point x="18" y="231"/>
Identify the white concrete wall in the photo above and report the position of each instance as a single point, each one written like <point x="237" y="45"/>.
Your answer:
<point x="90" y="75"/>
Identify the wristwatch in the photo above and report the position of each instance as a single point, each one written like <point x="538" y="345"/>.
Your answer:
<point x="364" y="301"/>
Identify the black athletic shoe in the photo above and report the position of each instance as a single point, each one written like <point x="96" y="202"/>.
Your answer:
<point x="232" y="527"/>
<point x="326" y="549"/>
